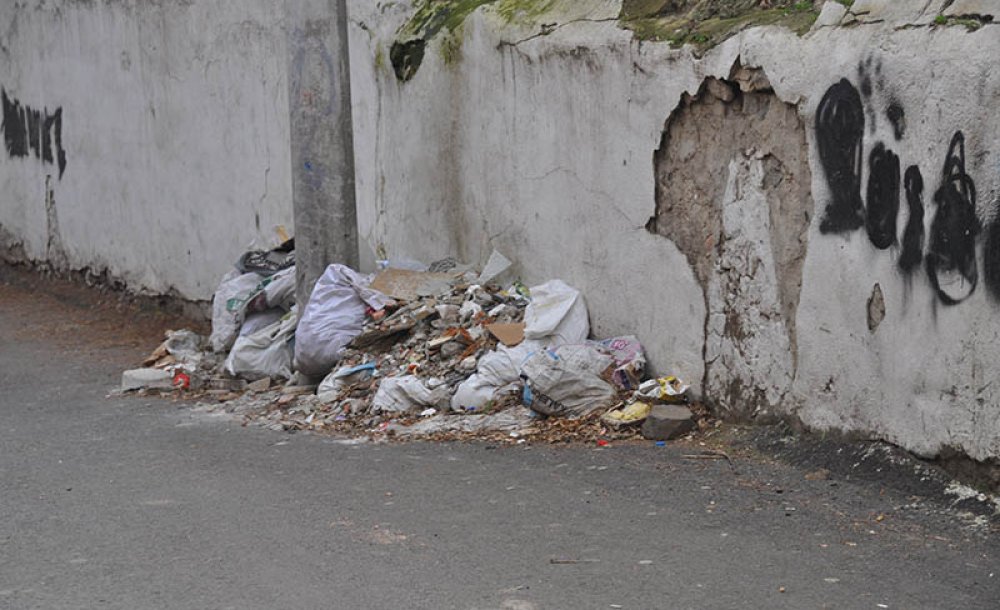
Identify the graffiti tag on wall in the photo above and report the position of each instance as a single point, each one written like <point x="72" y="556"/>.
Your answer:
<point x="948" y="251"/>
<point x="29" y="131"/>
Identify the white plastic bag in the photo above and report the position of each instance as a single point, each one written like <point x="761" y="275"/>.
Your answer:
<point x="265" y="353"/>
<point x="585" y="357"/>
<point x="184" y="345"/>
<point x="330" y="388"/>
<point x="556" y="314"/>
<point x="554" y="387"/>
<point x="409" y="393"/>
<point x="226" y="323"/>
<point x="280" y="291"/>
<point x="496" y="373"/>
<point x="258" y="320"/>
<point x="334" y="315"/>
<point x="274" y="292"/>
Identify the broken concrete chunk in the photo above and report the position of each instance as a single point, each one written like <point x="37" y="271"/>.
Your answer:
<point x="666" y="422"/>
<point x="469" y="310"/>
<point x="751" y="79"/>
<point x="720" y="89"/>
<point x="452" y="348"/>
<point x="136" y="379"/>
<point x="225" y="384"/>
<point x="261" y="385"/>
<point x="447" y="312"/>
<point x="408" y="285"/>
<point x="831" y="14"/>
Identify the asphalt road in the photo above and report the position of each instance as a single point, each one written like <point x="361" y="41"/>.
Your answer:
<point x="138" y="503"/>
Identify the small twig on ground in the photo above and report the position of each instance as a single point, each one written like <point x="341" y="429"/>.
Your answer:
<point x="711" y="454"/>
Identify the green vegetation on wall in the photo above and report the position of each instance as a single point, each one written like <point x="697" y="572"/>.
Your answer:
<point x="523" y="11"/>
<point x="430" y="17"/>
<point x="702" y="23"/>
<point x="706" y="23"/>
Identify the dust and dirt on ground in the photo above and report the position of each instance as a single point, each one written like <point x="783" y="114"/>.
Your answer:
<point x="93" y="321"/>
<point x="121" y="330"/>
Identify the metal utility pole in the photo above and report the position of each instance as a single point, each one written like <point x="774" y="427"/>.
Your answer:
<point x="322" y="143"/>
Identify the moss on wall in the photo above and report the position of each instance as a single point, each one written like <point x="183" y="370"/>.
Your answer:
<point x="706" y="23"/>
<point x="523" y="11"/>
<point x="430" y="17"/>
<point x="702" y="23"/>
<point x="451" y="46"/>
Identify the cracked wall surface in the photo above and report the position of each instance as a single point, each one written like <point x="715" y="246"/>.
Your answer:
<point x="749" y="360"/>
<point x="733" y="192"/>
<point x="555" y="139"/>
<point x="168" y="153"/>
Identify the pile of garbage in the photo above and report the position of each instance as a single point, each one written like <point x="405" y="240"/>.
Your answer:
<point x="436" y="352"/>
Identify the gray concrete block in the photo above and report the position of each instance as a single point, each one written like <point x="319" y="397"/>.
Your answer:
<point x="667" y="422"/>
<point x="831" y="14"/>
<point x="136" y="379"/>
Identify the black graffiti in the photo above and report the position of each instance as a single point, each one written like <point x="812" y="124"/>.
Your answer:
<point x="991" y="256"/>
<point x="870" y="81"/>
<point x="883" y="196"/>
<point x="840" y="125"/>
<point x="947" y="247"/>
<point x="951" y="253"/>
<point x="28" y="131"/>
<point x="913" y="234"/>
<point x="897" y="118"/>
<point x="864" y="75"/>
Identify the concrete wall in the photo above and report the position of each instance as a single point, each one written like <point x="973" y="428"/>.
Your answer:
<point x="173" y="120"/>
<point x="806" y="275"/>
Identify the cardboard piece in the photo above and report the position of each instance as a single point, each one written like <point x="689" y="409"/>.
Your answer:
<point x="508" y="334"/>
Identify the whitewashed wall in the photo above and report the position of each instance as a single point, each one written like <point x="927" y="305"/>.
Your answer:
<point x="542" y="146"/>
<point x="175" y="130"/>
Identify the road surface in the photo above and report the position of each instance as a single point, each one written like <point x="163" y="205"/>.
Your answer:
<point x="139" y="503"/>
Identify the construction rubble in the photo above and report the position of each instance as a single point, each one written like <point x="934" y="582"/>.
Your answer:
<point x="436" y="352"/>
